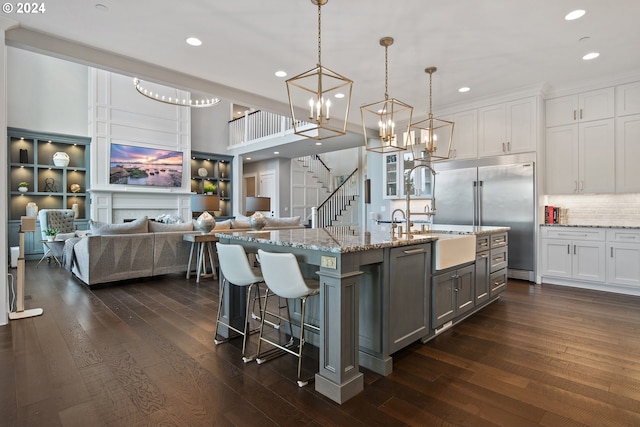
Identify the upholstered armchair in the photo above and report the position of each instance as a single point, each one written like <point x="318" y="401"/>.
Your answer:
<point x="62" y="219"/>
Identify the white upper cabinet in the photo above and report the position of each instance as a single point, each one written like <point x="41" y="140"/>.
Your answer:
<point x="627" y="153"/>
<point x="587" y="106"/>
<point x="507" y="128"/>
<point x="628" y="99"/>
<point x="580" y="158"/>
<point x="465" y="135"/>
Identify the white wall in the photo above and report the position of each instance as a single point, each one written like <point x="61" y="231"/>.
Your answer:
<point x="209" y="128"/>
<point x="4" y="304"/>
<point x="341" y="162"/>
<point x="46" y="94"/>
<point x="121" y="115"/>
<point x="42" y="94"/>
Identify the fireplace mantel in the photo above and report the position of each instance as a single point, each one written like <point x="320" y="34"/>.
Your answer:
<point x="114" y="204"/>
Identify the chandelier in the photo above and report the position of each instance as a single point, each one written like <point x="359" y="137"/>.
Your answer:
<point x="326" y="94"/>
<point x="180" y="101"/>
<point x="385" y="115"/>
<point x="430" y="139"/>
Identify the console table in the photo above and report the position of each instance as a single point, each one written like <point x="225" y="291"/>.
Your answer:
<point x="203" y="245"/>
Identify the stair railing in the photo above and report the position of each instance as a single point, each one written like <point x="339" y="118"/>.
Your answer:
<point x="318" y="169"/>
<point x="337" y="202"/>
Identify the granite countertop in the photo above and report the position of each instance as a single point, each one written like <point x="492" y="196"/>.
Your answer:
<point x="633" y="227"/>
<point x="466" y="229"/>
<point x="347" y="239"/>
<point x="452" y="229"/>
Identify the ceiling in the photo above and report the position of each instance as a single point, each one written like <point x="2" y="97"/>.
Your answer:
<point x="491" y="46"/>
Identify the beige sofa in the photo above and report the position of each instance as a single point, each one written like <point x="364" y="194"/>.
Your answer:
<point x="142" y="248"/>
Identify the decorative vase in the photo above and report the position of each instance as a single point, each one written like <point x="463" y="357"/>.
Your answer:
<point x="61" y="158"/>
<point x="51" y="238"/>
<point x="32" y="209"/>
<point x="76" y="210"/>
<point x="23" y="189"/>
<point x="257" y="221"/>
<point x="205" y="223"/>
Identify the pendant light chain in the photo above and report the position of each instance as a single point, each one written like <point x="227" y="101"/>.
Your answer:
<point x="386" y="72"/>
<point x="319" y="35"/>
<point x="430" y="92"/>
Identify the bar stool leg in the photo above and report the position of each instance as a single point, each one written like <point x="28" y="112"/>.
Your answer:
<point x="301" y="383"/>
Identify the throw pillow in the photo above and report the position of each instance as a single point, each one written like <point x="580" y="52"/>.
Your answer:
<point x="240" y="221"/>
<point x="283" y="222"/>
<point x="155" y="227"/>
<point x="223" y="225"/>
<point x="61" y="237"/>
<point x="140" y="225"/>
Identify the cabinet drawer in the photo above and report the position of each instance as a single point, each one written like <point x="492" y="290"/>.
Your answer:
<point x="482" y="243"/>
<point x="498" y="240"/>
<point x="498" y="258"/>
<point x="497" y="282"/>
<point x="574" y="233"/>
<point x="623" y="235"/>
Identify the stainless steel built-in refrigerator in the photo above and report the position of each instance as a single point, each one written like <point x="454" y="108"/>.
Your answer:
<point x="499" y="195"/>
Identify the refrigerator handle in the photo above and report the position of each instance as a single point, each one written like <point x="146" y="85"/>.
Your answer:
<point x="475" y="203"/>
<point x="480" y="196"/>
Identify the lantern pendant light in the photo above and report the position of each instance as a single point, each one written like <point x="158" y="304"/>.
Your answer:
<point x="430" y="139"/>
<point x="386" y="116"/>
<point x="323" y="93"/>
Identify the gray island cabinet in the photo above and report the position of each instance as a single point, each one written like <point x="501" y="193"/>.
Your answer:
<point x="377" y="294"/>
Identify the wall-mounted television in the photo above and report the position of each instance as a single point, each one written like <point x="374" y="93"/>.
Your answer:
<point x="131" y="165"/>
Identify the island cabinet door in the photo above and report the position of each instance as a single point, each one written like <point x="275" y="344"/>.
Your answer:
<point x="465" y="289"/>
<point x="482" y="277"/>
<point x="444" y="302"/>
<point x="408" y="295"/>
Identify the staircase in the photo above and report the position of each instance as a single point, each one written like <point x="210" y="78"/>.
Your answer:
<point x="318" y="169"/>
<point x="335" y="209"/>
<point x="331" y="212"/>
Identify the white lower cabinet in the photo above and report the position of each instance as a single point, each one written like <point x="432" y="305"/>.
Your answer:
<point x="592" y="256"/>
<point x="623" y="257"/>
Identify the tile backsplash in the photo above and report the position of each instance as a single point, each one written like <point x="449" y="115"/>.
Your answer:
<point x="599" y="209"/>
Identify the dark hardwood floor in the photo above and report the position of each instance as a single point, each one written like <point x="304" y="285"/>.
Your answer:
<point x="142" y="353"/>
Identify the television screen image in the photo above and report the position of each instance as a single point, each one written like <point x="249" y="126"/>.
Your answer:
<point x="132" y="165"/>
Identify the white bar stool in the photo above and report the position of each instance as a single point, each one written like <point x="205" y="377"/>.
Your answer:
<point x="282" y="275"/>
<point x="236" y="270"/>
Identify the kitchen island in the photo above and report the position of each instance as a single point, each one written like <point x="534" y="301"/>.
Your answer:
<point x="375" y="294"/>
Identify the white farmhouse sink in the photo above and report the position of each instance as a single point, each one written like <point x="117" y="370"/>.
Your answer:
<point x="454" y="249"/>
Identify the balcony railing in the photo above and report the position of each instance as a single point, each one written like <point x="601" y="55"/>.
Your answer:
<point x="257" y="125"/>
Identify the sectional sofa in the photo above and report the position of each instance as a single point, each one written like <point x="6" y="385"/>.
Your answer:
<point x="141" y="248"/>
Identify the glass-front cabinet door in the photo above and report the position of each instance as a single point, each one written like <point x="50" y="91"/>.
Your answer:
<point x="391" y="176"/>
<point x="420" y="181"/>
<point x="397" y="167"/>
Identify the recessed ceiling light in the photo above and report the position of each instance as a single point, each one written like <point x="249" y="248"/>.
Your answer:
<point x="194" y="41"/>
<point x="281" y="73"/>
<point x="276" y="152"/>
<point x="464" y="89"/>
<point x="591" y="55"/>
<point x="575" y="14"/>
<point x="339" y="95"/>
<point x="248" y="158"/>
<point x="318" y="143"/>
